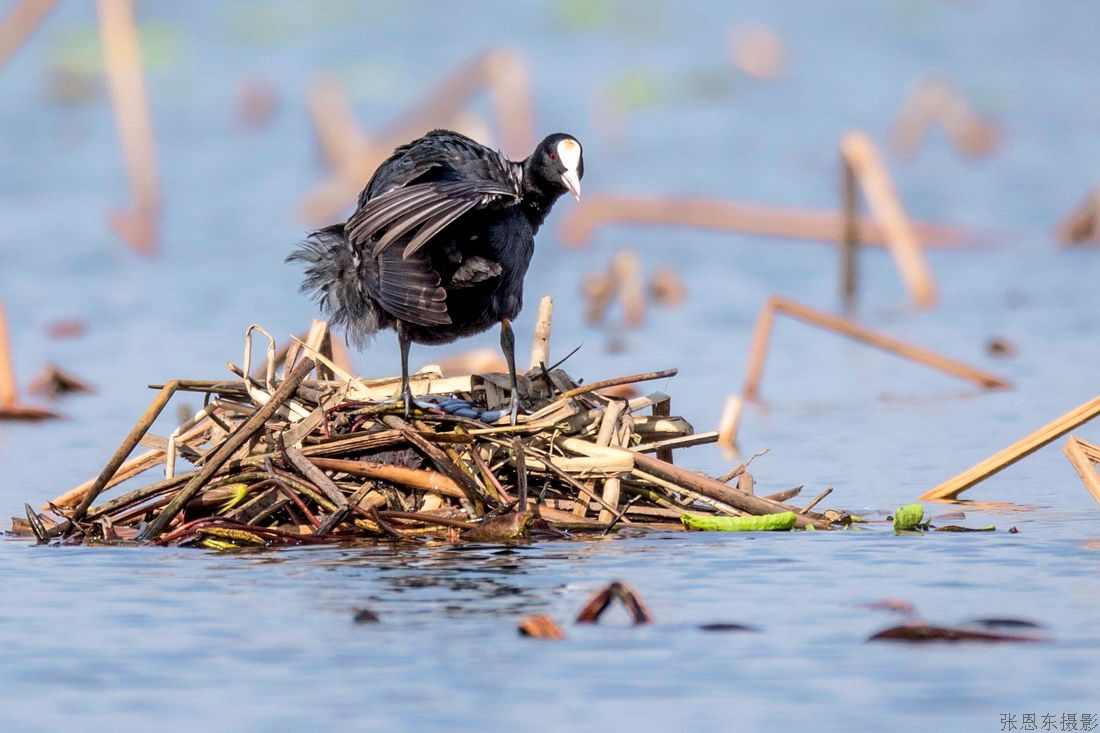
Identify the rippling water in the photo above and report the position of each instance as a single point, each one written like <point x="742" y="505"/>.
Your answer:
<point x="95" y="637"/>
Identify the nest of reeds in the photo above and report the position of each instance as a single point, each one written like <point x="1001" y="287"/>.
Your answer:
<point x="314" y="454"/>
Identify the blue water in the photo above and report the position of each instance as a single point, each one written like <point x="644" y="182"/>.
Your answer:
<point x="97" y="638"/>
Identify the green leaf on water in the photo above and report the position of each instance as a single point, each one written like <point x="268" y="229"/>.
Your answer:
<point x="908" y="516"/>
<point x="766" y="523"/>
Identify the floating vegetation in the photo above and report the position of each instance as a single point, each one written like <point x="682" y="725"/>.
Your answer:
<point x="317" y="455"/>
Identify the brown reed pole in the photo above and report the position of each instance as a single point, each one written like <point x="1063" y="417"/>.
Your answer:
<point x="849" y="268"/>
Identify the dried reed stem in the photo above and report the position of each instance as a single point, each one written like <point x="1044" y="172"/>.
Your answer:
<point x="122" y="57"/>
<point x="128" y="444"/>
<point x="862" y="155"/>
<point x="756" y="219"/>
<point x="845" y="327"/>
<point x="1024" y="447"/>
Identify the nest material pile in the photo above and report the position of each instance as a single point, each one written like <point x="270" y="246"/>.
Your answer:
<point x="320" y="456"/>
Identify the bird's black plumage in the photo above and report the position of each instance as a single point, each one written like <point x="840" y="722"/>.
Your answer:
<point x="440" y="242"/>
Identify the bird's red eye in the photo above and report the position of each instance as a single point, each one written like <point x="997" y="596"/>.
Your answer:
<point x="553" y="156"/>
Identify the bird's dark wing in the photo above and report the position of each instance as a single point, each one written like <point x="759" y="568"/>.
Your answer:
<point x="425" y="186"/>
<point x="407" y="288"/>
<point x="421" y="210"/>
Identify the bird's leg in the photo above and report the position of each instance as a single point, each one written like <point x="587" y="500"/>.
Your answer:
<point x="508" y="346"/>
<point x="404" y="342"/>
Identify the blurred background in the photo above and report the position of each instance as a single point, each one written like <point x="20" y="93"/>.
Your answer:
<point x="266" y="117"/>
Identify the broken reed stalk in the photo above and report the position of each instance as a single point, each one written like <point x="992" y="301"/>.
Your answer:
<point x="1024" y="447"/>
<point x="122" y="59"/>
<point x="540" y="345"/>
<point x="123" y="452"/>
<point x="729" y="423"/>
<point x="756" y="219"/>
<point x="860" y="153"/>
<point x="936" y="101"/>
<point x="1082" y="225"/>
<point x="21" y="21"/>
<point x="1083" y="464"/>
<point x="225" y="451"/>
<point x="758" y="352"/>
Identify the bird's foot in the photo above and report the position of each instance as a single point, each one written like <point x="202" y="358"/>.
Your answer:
<point x="513" y="409"/>
<point x="407" y="399"/>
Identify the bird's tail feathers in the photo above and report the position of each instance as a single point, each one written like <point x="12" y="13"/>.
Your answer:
<point x="334" y="282"/>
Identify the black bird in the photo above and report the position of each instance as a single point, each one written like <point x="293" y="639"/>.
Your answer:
<point x="440" y="243"/>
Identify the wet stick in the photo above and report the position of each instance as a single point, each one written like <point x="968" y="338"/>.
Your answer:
<point x="225" y="451"/>
<point x="415" y="478"/>
<point x="861" y="154"/>
<point x="845" y="327"/>
<point x="720" y="492"/>
<point x="128" y="444"/>
<point x="1024" y="447"/>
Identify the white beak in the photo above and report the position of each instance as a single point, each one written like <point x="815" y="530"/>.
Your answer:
<point x="569" y="178"/>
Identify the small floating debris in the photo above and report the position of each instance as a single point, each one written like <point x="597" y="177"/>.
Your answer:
<point x="310" y="453"/>
<point x="918" y="632"/>
<point x="52" y="382"/>
<point x="618" y="590"/>
<point x="540" y="627"/>
<point x="937" y="101"/>
<point x="1082" y="225"/>
<point x="11" y="408"/>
